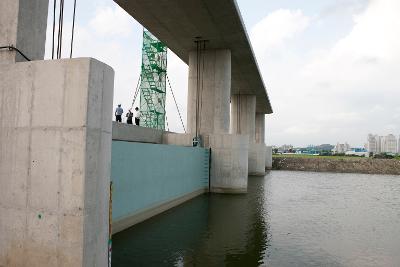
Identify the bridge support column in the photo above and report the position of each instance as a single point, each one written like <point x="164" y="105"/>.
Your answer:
<point x="209" y="96"/>
<point x="243" y="117"/>
<point x="55" y="148"/>
<point x="260" y="148"/>
<point x="23" y="25"/>
<point x="55" y="157"/>
<point x="208" y="116"/>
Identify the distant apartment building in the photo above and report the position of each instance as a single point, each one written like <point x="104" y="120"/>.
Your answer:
<point x="398" y="146"/>
<point x="383" y="144"/>
<point x="341" y="148"/>
<point x="390" y="144"/>
<point x="372" y="143"/>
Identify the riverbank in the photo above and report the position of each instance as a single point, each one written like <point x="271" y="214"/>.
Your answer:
<point x="337" y="164"/>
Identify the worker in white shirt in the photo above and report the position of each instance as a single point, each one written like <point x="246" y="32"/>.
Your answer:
<point x="118" y="113"/>
<point x="137" y="116"/>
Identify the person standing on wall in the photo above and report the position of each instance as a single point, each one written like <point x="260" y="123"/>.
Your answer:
<point x="137" y="116"/>
<point x="118" y="113"/>
<point x="129" y="116"/>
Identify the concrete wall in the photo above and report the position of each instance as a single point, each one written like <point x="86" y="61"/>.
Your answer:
<point x="229" y="162"/>
<point x="23" y="25"/>
<point x="178" y="139"/>
<point x="133" y="133"/>
<point x="150" y="178"/>
<point x="55" y="142"/>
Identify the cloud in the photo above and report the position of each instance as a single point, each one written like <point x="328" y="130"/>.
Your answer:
<point x="276" y="28"/>
<point x="336" y="91"/>
<point x="111" y="21"/>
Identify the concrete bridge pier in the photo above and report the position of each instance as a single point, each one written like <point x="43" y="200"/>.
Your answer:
<point x="208" y="115"/>
<point x="243" y="117"/>
<point x="55" y="148"/>
<point x="260" y="144"/>
<point x="23" y="25"/>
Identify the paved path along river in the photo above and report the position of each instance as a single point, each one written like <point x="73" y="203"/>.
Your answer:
<point x="286" y="219"/>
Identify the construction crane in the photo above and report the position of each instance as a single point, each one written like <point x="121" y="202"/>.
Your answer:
<point x="153" y="82"/>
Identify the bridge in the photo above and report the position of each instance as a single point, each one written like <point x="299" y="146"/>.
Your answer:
<point x="57" y="140"/>
<point x="227" y="97"/>
<point x="179" y="24"/>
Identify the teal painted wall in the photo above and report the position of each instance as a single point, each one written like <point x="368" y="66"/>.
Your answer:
<point x="145" y="175"/>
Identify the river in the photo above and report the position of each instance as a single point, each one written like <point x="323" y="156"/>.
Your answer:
<point x="287" y="218"/>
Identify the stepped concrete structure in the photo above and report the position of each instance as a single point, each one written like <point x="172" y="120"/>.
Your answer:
<point x="211" y="38"/>
<point x="55" y="148"/>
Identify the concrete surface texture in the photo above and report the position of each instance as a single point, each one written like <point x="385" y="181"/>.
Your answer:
<point x="260" y="128"/>
<point x="257" y="159"/>
<point x="134" y="133"/>
<point x="178" y="139"/>
<point x="229" y="162"/>
<point x="179" y="23"/>
<point x="243" y="116"/>
<point x="268" y="157"/>
<point x="23" y="25"/>
<point x="243" y="119"/>
<point x="213" y="92"/>
<point x="149" y="178"/>
<point x="55" y="149"/>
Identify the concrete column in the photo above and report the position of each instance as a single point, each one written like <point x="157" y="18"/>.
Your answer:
<point x="268" y="157"/>
<point x="260" y="128"/>
<point x="55" y="156"/>
<point x="212" y="119"/>
<point x="214" y="92"/>
<point x="243" y="118"/>
<point x="23" y="24"/>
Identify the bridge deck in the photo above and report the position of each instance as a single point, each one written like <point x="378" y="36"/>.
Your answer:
<point x="178" y="22"/>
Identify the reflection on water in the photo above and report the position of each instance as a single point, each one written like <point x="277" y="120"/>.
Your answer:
<point x="286" y="219"/>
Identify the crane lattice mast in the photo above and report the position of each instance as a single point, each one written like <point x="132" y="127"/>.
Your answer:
<point x="153" y="82"/>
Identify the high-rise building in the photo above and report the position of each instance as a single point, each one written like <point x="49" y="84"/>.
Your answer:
<point x="341" y="148"/>
<point x="383" y="144"/>
<point x="372" y="143"/>
<point x="390" y="144"/>
<point x="398" y="146"/>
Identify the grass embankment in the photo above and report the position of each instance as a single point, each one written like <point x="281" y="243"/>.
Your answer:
<point x="322" y="157"/>
<point x="341" y="164"/>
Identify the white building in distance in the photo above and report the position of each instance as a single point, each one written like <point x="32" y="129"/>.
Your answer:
<point x="383" y="144"/>
<point x="341" y="148"/>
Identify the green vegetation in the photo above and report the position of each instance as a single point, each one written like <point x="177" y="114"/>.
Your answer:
<point x="314" y="156"/>
<point x="340" y="156"/>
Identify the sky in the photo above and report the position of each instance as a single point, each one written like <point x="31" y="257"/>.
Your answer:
<point x="331" y="67"/>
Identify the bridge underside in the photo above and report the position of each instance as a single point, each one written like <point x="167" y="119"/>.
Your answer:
<point x="179" y="23"/>
<point x="225" y="89"/>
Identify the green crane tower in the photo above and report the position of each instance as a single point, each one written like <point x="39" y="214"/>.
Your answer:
<point x="153" y="82"/>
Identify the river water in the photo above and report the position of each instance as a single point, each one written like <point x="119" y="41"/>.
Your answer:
<point x="285" y="219"/>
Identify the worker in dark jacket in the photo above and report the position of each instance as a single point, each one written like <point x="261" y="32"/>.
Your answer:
<point x="129" y="116"/>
